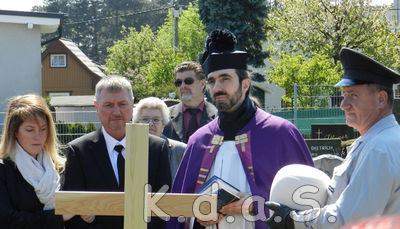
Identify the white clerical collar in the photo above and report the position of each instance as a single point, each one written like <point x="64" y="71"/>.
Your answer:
<point x="112" y="142"/>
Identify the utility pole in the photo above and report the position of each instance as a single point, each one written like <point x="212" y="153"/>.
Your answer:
<point x="176" y="11"/>
<point x="396" y="6"/>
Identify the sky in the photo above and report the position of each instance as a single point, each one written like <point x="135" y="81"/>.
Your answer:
<point x="21" y="5"/>
<point x="26" y="5"/>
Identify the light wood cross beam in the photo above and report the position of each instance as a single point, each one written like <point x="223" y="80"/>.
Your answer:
<point x="136" y="204"/>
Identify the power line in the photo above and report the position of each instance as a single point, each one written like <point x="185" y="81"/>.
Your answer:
<point x="194" y="23"/>
<point x="122" y="15"/>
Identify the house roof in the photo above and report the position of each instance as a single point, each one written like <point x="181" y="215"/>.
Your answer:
<point x="82" y="57"/>
<point x="47" y="22"/>
<point x="261" y="85"/>
<point x="64" y="45"/>
<point x="72" y="101"/>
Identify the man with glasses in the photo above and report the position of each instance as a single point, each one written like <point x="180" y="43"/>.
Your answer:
<point x="193" y="111"/>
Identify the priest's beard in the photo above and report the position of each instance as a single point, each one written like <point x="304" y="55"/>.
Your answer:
<point x="231" y="101"/>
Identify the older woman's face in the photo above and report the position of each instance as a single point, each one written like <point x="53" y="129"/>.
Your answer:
<point x="32" y="134"/>
<point x="154" y="118"/>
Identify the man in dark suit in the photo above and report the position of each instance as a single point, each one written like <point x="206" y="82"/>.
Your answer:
<point x="193" y="111"/>
<point x="95" y="162"/>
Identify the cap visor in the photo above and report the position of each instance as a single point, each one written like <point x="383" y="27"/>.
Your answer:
<point x="346" y="82"/>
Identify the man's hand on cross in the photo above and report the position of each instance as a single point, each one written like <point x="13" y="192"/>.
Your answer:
<point x="88" y="218"/>
<point x="67" y="217"/>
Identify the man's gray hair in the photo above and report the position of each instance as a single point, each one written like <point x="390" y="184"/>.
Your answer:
<point x="151" y="103"/>
<point x="113" y="83"/>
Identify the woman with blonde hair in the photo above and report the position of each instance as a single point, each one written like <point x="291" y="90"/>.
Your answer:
<point x="29" y="166"/>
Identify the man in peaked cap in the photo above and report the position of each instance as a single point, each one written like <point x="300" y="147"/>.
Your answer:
<point x="244" y="145"/>
<point x="367" y="183"/>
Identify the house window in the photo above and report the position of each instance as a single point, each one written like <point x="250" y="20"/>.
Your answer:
<point x="58" y="60"/>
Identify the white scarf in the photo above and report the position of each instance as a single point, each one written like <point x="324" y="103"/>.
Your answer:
<point x="40" y="173"/>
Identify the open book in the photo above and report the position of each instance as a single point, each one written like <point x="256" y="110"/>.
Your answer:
<point x="226" y="193"/>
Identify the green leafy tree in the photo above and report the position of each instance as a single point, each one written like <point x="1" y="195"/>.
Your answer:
<point x="148" y="60"/>
<point x="297" y="69"/>
<point x="95" y="24"/>
<point x="134" y="51"/>
<point x="190" y="32"/>
<point x="160" y="69"/>
<point x="140" y="58"/>
<point x="307" y="28"/>
<point x="244" y="18"/>
<point x="325" y="26"/>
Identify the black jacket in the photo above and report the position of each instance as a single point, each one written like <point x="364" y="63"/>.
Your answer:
<point x="20" y="208"/>
<point x="89" y="168"/>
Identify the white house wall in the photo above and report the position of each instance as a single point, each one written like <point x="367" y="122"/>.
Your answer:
<point x="20" y="61"/>
<point x="273" y="98"/>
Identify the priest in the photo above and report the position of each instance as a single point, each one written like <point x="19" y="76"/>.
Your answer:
<point x="244" y="145"/>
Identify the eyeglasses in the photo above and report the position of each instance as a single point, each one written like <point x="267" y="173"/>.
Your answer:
<point x="155" y="121"/>
<point x="187" y="81"/>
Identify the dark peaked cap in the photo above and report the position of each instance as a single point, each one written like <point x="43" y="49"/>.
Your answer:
<point x="360" y="69"/>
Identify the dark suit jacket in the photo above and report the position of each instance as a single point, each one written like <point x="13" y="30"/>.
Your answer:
<point x="19" y="206"/>
<point x="175" y="128"/>
<point x="175" y="154"/>
<point x="89" y="168"/>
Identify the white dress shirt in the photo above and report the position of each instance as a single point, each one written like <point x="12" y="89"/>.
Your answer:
<point x="111" y="143"/>
<point x="228" y="166"/>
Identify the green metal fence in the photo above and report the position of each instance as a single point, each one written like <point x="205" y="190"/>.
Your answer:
<point x="307" y="117"/>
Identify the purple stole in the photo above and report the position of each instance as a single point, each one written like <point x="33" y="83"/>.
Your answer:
<point x="242" y="145"/>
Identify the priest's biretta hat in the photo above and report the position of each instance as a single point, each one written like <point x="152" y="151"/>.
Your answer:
<point x="220" y="52"/>
<point x="360" y="69"/>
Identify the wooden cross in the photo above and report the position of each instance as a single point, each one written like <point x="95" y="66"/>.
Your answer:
<point x="136" y="203"/>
